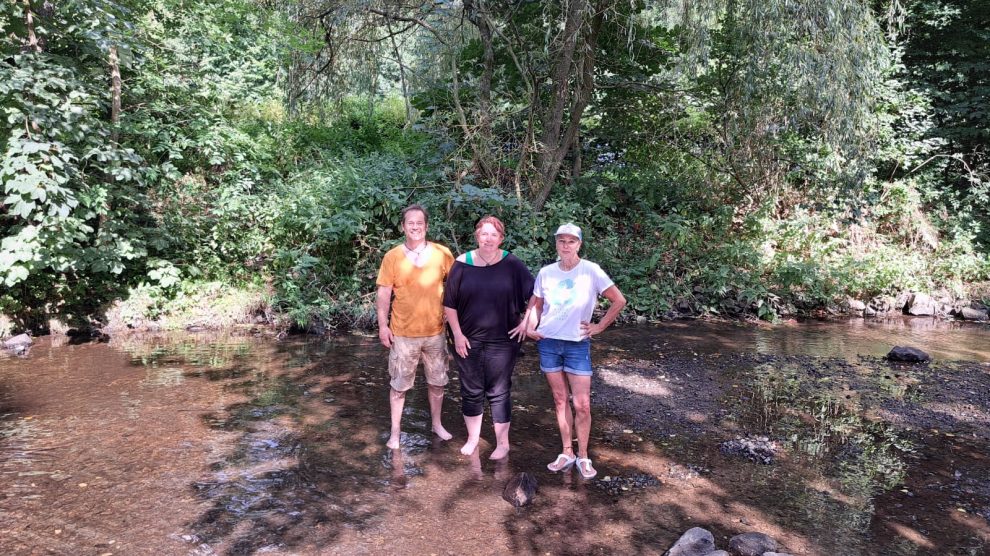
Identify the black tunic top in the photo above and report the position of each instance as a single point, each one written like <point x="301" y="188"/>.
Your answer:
<point x="489" y="299"/>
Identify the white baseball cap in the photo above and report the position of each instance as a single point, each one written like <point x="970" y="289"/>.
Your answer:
<point x="569" y="229"/>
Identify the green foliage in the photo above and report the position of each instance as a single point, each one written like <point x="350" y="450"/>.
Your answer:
<point x="74" y="214"/>
<point x="735" y="159"/>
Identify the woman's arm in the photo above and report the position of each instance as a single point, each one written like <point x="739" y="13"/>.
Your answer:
<point x="618" y="301"/>
<point x="461" y="343"/>
<point x="530" y="320"/>
<point x="533" y="315"/>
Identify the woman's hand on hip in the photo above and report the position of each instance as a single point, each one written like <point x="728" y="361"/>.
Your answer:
<point x="588" y="329"/>
<point x="519" y="332"/>
<point x="534" y="335"/>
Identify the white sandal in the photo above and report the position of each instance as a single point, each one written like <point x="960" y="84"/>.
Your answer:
<point x="568" y="462"/>
<point x="590" y="475"/>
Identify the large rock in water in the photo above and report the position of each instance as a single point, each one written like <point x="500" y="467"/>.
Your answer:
<point x="752" y="544"/>
<point x="21" y="340"/>
<point x="922" y="304"/>
<point x="18" y="345"/>
<point x="907" y="355"/>
<point x="694" y="542"/>
<point x="520" y="490"/>
<point x="970" y="313"/>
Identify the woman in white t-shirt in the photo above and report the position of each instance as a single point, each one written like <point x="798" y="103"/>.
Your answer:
<point x="559" y="318"/>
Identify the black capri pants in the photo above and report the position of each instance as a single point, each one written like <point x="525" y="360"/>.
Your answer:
<point x="486" y="373"/>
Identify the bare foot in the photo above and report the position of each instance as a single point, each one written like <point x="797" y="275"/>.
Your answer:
<point x="442" y="432"/>
<point x="474" y="466"/>
<point x="469" y="447"/>
<point x="393" y="442"/>
<point x="502" y="469"/>
<point x="500" y="452"/>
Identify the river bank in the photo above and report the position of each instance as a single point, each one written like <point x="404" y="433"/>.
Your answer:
<point x="217" y="306"/>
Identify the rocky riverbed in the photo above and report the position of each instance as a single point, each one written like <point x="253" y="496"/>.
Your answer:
<point x="204" y="444"/>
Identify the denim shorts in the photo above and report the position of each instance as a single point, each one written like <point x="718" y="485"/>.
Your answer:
<point x="565" y="355"/>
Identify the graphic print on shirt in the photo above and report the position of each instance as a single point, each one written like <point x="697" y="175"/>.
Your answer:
<point x="561" y="296"/>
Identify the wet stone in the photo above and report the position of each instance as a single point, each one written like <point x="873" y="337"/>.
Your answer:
<point x="694" y="542"/>
<point x="751" y="544"/>
<point x="922" y="305"/>
<point x="19" y="340"/>
<point x="686" y="472"/>
<point x="907" y="355"/>
<point x="18" y="345"/>
<point x="620" y="485"/>
<point x="411" y="443"/>
<point x="970" y="313"/>
<point x="758" y="449"/>
<point x="520" y="490"/>
<point x="400" y="466"/>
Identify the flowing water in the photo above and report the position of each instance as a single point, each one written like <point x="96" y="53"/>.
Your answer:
<point x="239" y="444"/>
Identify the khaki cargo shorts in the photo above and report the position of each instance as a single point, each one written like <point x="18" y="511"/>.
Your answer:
<point x="406" y="354"/>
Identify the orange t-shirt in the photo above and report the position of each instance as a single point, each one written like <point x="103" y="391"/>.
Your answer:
<point x="416" y="306"/>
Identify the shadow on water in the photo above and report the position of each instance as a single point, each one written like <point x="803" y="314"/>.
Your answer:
<point x="283" y="450"/>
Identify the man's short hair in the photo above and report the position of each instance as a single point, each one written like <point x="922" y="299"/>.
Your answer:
<point x="415" y="207"/>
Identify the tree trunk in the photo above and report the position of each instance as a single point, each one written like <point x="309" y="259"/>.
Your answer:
<point x="402" y="75"/>
<point x="556" y="144"/>
<point x="477" y="14"/>
<point x="115" y="93"/>
<point x="576" y="165"/>
<point x="33" y="43"/>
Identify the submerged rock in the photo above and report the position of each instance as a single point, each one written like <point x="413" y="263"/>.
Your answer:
<point x="752" y="544"/>
<point x="694" y="542"/>
<point x="18" y="345"/>
<point x="619" y="485"/>
<point x="19" y="340"/>
<point x="520" y="490"/>
<point x="908" y="355"/>
<point x="759" y="449"/>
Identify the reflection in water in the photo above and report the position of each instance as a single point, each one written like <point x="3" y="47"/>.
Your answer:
<point x="241" y="445"/>
<point x="945" y="340"/>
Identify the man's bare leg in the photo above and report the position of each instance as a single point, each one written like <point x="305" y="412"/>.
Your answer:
<point x="436" y="404"/>
<point x="501" y="441"/>
<point x="473" y="425"/>
<point x="396" y="401"/>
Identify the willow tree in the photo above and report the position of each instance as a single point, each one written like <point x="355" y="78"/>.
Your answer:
<point x="795" y="85"/>
<point x="516" y="81"/>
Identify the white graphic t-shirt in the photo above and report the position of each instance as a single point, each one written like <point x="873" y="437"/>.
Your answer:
<point x="569" y="298"/>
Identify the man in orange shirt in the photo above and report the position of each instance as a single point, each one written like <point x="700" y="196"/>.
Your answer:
<point x="414" y="273"/>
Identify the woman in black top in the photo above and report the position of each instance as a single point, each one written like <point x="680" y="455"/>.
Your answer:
<point x="484" y="297"/>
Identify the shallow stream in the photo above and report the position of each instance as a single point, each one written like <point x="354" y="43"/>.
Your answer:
<point x="244" y="444"/>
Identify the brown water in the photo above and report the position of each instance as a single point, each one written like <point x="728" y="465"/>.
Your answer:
<point x="943" y="340"/>
<point x="204" y="444"/>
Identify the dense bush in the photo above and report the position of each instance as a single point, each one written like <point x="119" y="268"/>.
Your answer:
<point x="733" y="190"/>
